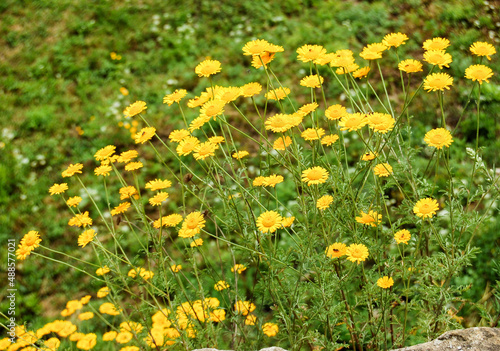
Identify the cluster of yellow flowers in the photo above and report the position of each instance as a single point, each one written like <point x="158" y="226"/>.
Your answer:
<point x="170" y="324"/>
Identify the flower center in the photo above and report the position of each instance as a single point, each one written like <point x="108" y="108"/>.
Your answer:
<point x="268" y="222"/>
<point x="314" y="175"/>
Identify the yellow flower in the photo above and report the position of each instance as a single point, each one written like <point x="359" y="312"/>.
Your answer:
<point x="438" y="137"/>
<point x="144" y="135"/>
<point x="272" y="180"/>
<point x="105" y="153"/>
<point x="287" y="221"/>
<point x="72" y="169"/>
<point x="127" y="192"/>
<point x="208" y="68"/>
<point x="73" y="201"/>
<point x="121" y="208"/>
<point x="438" y="58"/>
<point x="312" y="134"/>
<point x="369" y="156"/>
<point x="124" y="337"/>
<point x="22" y="252"/>
<point x="244" y="307"/>
<point x="353" y="121"/>
<point x="102" y="270"/>
<point x="380" y="122"/>
<point x="329" y="139"/>
<point x="308" y="53"/>
<point x="372" y="218"/>
<point x="178" y="135"/>
<point x="197" y="242"/>
<point x="85" y="300"/>
<point x="240" y="154"/>
<point x="216" y="140"/>
<point x="251" y="89"/>
<point x="176" y="96"/>
<point x="347" y="69"/>
<point x="368" y="54"/>
<point x="212" y="108"/>
<point x="250" y="319"/>
<point x="176" y="268"/>
<point x="158" y="198"/>
<point x="265" y="58"/>
<point x="259" y="181"/>
<point x="80" y="220"/>
<point x="168" y="221"/>
<point x="336" y="250"/>
<point x="335" y="112"/>
<point x="86" y="237"/>
<point x="436" y="44"/>
<point x="127" y="156"/>
<point x="103" y="292"/>
<point x="385" y="282"/>
<point x="307" y="108"/>
<point x="87" y="342"/>
<point x="58" y="188"/>
<point x="402" y="236"/>
<point x="278" y="94"/>
<point x="324" y="202"/>
<point x="438" y="81"/>
<point x="158" y="184"/>
<point x="426" y="208"/>
<point x="270" y="329"/>
<point x="480" y="48"/>
<point x="109" y="336"/>
<point x="394" y="40"/>
<point x="315" y="175"/>
<point x="187" y="145"/>
<point x="410" y="66"/>
<point x="228" y="94"/>
<point x="256" y="47"/>
<point x="124" y="91"/>
<point x="198" y="122"/>
<point x="382" y="170"/>
<point x="312" y="81"/>
<point x="204" y="150"/>
<point x="135" y="108"/>
<point x="360" y="73"/>
<point x="132" y="166"/>
<point x="103" y="170"/>
<point x="357" y="253"/>
<point x="479" y="73"/>
<point x="269" y="221"/>
<point x="109" y="308"/>
<point x="278" y="123"/>
<point x="221" y="285"/>
<point x="192" y="225"/>
<point x="342" y="58"/>
<point x="282" y="143"/>
<point x="85" y="316"/>
<point x="31" y="240"/>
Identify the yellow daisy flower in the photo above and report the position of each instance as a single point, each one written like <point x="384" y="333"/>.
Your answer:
<point x="382" y="170"/>
<point x="372" y="218"/>
<point x="402" y="236"/>
<point x="479" y="73"/>
<point x="324" y="202"/>
<point x="336" y="250"/>
<point x="438" y="81"/>
<point x="357" y="253"/>
<point x="315" y="175"/>
<point x="480" y="48"/>
<point x="176" y="96"/>
<point x="426" y="208"/>
<point x="438" y="137"/>
<point x="208" y="68"/>
<point x="135" y="108"/>
<point x="436" y="44"/>
<point x="385" y="282"/>
<point x="269" y="221"/>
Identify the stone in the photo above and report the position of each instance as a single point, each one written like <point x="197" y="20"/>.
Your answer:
<point x="472" y="339"/>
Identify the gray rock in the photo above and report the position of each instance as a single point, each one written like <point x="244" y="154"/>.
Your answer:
<point x="472" y="339"/>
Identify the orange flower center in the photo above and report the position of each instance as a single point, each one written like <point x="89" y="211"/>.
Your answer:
<point x="314" y="175"/>
<point x="268" y="222"/>
<point x="192" y="223"/>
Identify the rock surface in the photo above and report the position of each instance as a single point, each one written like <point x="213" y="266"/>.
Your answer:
<point x="472" y="339"/>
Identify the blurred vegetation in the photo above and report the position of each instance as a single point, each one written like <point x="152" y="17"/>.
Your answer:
<point x="60" y="96"/>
